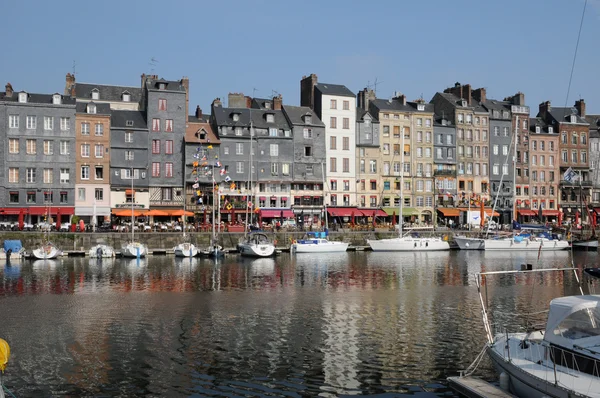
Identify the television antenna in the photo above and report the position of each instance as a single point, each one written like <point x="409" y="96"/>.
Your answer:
<point x="374" y="85"/>
<point x="74" y="67"/>
<point x="152" y="63"/>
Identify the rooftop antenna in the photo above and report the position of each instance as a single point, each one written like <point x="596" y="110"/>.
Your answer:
<point x="152" y="63"/>
<point x="374" y="85"/>
<point x="274" y="93"/>
<point x="74" y="65"/>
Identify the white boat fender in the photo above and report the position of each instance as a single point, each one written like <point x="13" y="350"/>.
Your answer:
<point x="504" y="381"/>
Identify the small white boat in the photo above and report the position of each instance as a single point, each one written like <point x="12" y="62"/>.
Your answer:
<point x="317" y="242"/>
<point x="520" y="243"/>
<point x="466" y="243"/>
<point x="215" y="251"/>
<point x="15" y="247"/>
<point x="256" y="245"/>
<point x="101" y="251"/>
<point x="46" y="251"/>
<point x="186" y="250"/>
<point x="134" y="250"/>
<point x="408" y="244"/>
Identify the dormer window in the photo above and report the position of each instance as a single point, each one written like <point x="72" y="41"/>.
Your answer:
<point x="505" y="115"/>
<point x="270" y="118"/>
<point x="463" y="103"/>
<point x="162" y="86"/>
<point x="91" y="108"/>
<point x="23" y="97"/>
<point x="126" y="97"/>
<point x="550" y="130"/>
<point x="129" y="123"/>
<point x="201" y="134"/>
<point x="95" y="94"/>
<point x="267" y="105"/>
<point x="421" y="107"/>
<point x="308" y="119"/>
<point x="573" y="119"/>
<point x="537" y="129"/>
<point x="56" y="99"/>
<point x="235" y="117"/>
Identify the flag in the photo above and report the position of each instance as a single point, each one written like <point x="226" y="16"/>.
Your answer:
<point x="223" y="172"/>
<point x="210" y="146"/>
<point x="217" y="164"/>
<point x="249" y="205"/>
<point x="227" y="179"/>
<point x="570" y="175"/>
<point x="195" y="186"/>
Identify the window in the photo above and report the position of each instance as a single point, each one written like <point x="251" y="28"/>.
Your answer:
<point x="155" y="124"/>
<point x="48" y="123"/>
<point x="31" y="147"/>
<point x="308" y="133"/>
<point x="13" y="121"/>
<point x="48" y="147"/>
<point x="333" y="142"/>
<point x="169" y="125"/>
<point x="563" y="137"/>
<point x="272" y="132"/>
<point x="505" y="169"/>
<point x="495" y="169"/>
<point x="346" y="165"/>
<point x="30" y="197"/>
<point x="346" y="123"/>
<point x="346" y="105"/>
<point x="239" y="148"/>
<point x="128" y="155"/>
<point x="65" y="123"/>
<point x="13" y="197"/>
<point x="85" y="150"/>
<point x="542" y="160"/>
<point x="31" y="122"/>
<point x="64" y="147"/>
<point x="333" y="165"/>
<point x="167" y="194"/>
<point x="333" y="104"/>
<point x="574" y="138"/>
<point x="168" y="169"/>
<point x="583" y="139"/>
<point x="309" y="169"/>
<point x="461" y="134"/>
<point x="333" y="122"/>
<point x="420" y="186"/>
<point x="373" y="166"/>
<point x="128" y="136"/>
<point x="13" y="175"/>
<point x="484" y="169"/>
<point x="48" y="176"/>
<point x="469" y="168"/>
<point x="155" y="169"/>
<point x="85" y="172"/>
<point x="162" y="104"/>
<point x="155" y="147"/>
<point x="64" y="176"/>
<point x="85" y="128"/>
<point x="99" y="130"/>
<point x="30" y="174"/>
<point x="99" y="151"/>
<point x="496" y="131"/>
<point x="99" y="194"/>
<point x="583" y="157"/>
<point x="428" y="137"/>
<point x="307" y="151"/>
<point x="274" y="169"/>
<point x="505" y="131"/>
<point x="274" y="150"/>
<point x="169" y="147"/>
<point x="226" y="150"/>
<point x="574" y="156"/>
<point x="81" y="193"/>
<point x="346" y="144"/>
<point x="461" y="118"/>
<point x="505" y="150"/>
<point x="239" y="167"/>
<point x="542" y="145"/>
<point x="13" y="145"/>
<point x="285" y="169"/>
<point x="428" y="152"/>
<point x="551" y="146"/>
<point x="238" y="131"/>
<point x="270" y="117"/>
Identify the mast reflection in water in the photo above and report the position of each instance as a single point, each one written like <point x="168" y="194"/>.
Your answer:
<point x="305" y="325"/>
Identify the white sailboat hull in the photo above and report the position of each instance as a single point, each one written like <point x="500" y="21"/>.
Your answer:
<point x="47" y="251"/>
<point x="256" y="250"/>
<point x="133" y="250"/>
<point x="586" y="244"/>
<point x="408" y="244"/>
<point x="465" y="243"/>
<point x="101" y="251"/>
<point x="186" y="250"/>
<point x="320" y="247"/>
<point x="525" y="245"/>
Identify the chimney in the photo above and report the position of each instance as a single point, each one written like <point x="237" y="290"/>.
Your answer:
<point x="400" y="97"/>
<point x="461" y="91"/>
<point x="185" y="82"/>
<point x="307" y="91"/>
<point x="248" y="101"/>
<point x="216" y="103"/>
<point x="143" y="79"/>
<point x="480" y="95"/>
<point x="364" y="97"/>
<point x="236" y="100"/>
<point x="277" y="102"/>
<point x="198" y="112"/>
<point x="580" y="105"/>
<point x="70" y="85"/>
<point x="544" y="109"/>
<point x="519" y="99"/>
<point x="8" y="90"/>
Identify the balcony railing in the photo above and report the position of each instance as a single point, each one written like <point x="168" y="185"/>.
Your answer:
<point x="586" y="184"/>
<point x="444" y="172"/>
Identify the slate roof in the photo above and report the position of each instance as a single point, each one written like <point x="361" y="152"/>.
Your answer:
<point x="119" y="119"/>
<point x="493" y="104"/>
<point x="395" y="105"/>
<point x="101" y="109"/>
<point x="334" y="89"/>
<point x="259" y="103"/>
<point x="561" y="114"/>
<point x="203" y="119"/>
<point x="193" y="127"/>
<point x="171" y="85"/>
<point x="457" y="102"/>
<point x="437" y="121"/>
<point x="34" y="98"/>
<point x="224" y="117"/>
<point x="538" y="121"/>
<point x="594" y="121"/>
<point x="107" y="92"/>
<point x="295" y="113"/>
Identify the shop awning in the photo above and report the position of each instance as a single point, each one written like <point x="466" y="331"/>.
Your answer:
<point x="40" y="211"/>
<point x="449" y="211"/>
<point x="12" y="211"/>
<point x="488" y="212"/>
<point x="126" y="213"/>
<point x="276" y="213"/>
<point x="406" y="211"/>
<point x="371" y="212"/>
<point x="527" y="212"/>
<point x="343" y="211"/>
<point x="262" y="198"/>
<point x="550" y="212"/>
<point x="597" y="210"/>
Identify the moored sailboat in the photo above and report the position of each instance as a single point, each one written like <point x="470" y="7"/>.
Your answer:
<point x="133" y="249"/>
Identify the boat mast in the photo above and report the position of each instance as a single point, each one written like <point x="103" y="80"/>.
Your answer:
<point x="250" y="173"/>
<point x="400" y="203"/>
<point x="132" y="205"/>
<point x="213" y="207"/>
<point x="324" y="201"/>
<point x="514" y="191"/>
<point x="184" y="196"/>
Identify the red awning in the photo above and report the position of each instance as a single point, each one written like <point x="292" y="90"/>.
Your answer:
<point x="276" y="213"/>
<point x="597" y="210"/>
<point x="262" y="198"/>
<point x="550" y="212"/>
<point x="343" y="211"/>
<point x="38" y="211"/>
<point x="527" y="212"/>
<point x="371" y="212"/>
<point x="129" y="192"/>
<point x="11" y="210"/>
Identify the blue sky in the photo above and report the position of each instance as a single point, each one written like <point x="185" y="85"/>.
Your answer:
<point x="416" y="47"/>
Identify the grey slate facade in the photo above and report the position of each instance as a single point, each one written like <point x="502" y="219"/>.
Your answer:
<point x="128" y="135"/>
<point x="444" y="160"/>
<point x="367" y="129"/>
<point x="165" y="104"/>
<point x="501" y="154"/>
<point x="43" y="127"/>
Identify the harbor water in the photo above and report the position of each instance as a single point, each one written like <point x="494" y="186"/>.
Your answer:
<point x="351" y="323"/>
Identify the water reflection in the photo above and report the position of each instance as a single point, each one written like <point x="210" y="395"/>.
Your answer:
<point x="327" y="324"/>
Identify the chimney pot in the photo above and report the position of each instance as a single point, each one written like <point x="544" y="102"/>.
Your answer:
<point x="580" y="105"/>
<point x="277" y="102"/>
<point x="8" y="90"/>
<point x="198" y="112"/>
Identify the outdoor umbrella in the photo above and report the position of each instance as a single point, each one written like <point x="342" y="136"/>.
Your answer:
<point x="560" y="217"/>
<point x="127" y="213"/>
<point x="482" y="214"/>
<point x="180" y="213"/>
<point x="594" y="219"/>
<point x="394" y="218"/>
<point x="577" y="217"/>
<point x="21" y="221"/>
<point x="540" y="213"/>
<point x="352" y="219"/>
<point x="58" y="219"/>
<point x="155" y="212"/>
<point x="281" y="217"/>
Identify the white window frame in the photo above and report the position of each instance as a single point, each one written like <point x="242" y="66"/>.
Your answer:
<point x="85" y="172"/>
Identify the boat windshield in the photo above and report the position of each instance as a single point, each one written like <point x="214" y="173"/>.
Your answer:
<point x="574" y="321"/>
<point x="579" y="325"/>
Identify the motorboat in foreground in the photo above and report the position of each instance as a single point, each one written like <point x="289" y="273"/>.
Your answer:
<point x="101" y="251"/>
<point x="317" y="242"/>
<point x="186" y="249"/>
<point x="12" y="249"/>
<point x="562" y="360"/>
<point x="256" y="244"/>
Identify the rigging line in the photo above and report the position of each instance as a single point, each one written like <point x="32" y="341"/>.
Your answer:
<point x="575" y="55"/>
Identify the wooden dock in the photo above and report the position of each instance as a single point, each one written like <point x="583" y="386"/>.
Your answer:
<point x="474" y="387"/>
